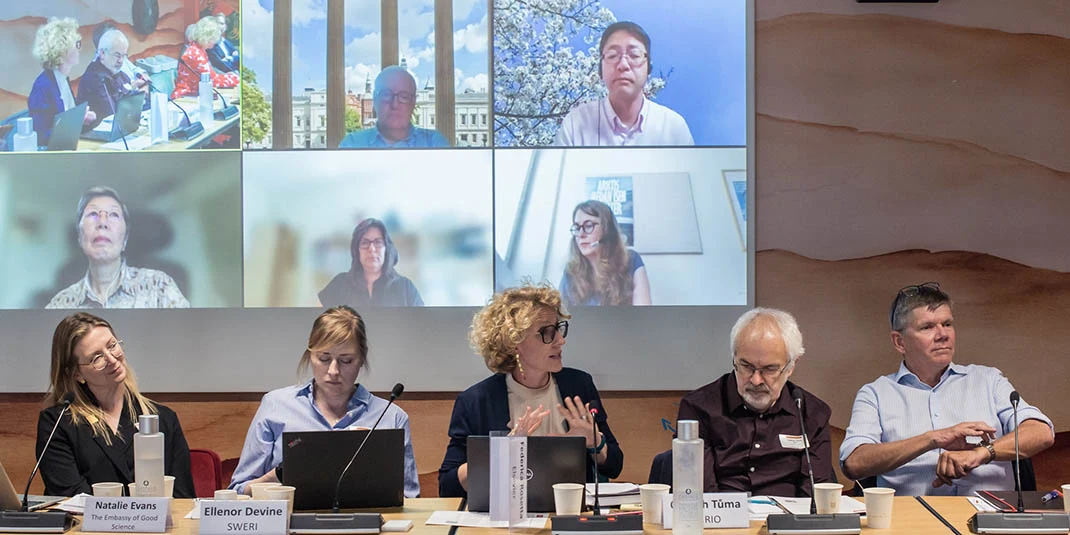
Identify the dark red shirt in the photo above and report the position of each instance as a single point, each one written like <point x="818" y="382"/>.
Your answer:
<point x="756" y="452"/>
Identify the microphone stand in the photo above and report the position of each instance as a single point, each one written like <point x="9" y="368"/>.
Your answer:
<point x="1019" y="521"/>
<point x="38" y="521"/>
<point x="191" y="130"/>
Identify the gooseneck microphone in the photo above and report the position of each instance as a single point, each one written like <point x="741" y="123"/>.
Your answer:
<point x="191" y="130"/>
<point x="1015" y="398"/>
<point x="66" y="402"/>
<point x="395" y="393"/>
<point x="796" y="394"/>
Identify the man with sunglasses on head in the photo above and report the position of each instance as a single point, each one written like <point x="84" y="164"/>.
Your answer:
<point x="625" y="116"/>
<point x="748" y="417"/>
<point x="394" y="100"/>
<point x="933" y="426"/>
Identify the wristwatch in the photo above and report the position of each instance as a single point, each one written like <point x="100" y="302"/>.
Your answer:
<point x="598" y="449"/>
<point x="991" y="450"/>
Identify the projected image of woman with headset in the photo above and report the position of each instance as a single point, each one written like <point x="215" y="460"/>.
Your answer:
<point x="601" y="270"/>
<point x="625" y="116"/>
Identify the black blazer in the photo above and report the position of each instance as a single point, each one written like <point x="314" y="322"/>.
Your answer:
<point x="77" y="459"/>
<point x="484" y="407"/>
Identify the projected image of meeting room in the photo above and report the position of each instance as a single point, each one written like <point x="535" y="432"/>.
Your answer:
<point x="620" y="72"/>
<point x="120" y="75"/>
<point x="369" y="228"/>
<point x="614" y="227"/>
<point x="388" y="74"/>
<point x="120" y="231"/>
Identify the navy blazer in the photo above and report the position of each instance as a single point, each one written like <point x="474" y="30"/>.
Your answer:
<point x="77" y="457"/>
<point x="44" y="103"/>
<point x="484" y="407"/>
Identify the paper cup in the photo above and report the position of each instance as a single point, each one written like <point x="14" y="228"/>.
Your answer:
<point x="1066" y="498"/>
<point x="568" y="498"/>
<point x="281" y="492"/>
<point x="879" y="502"/>
<point x="257" y="489"/>
<point x="650" y="495"/>
<point x="169" y="486"/>
<point x="827" y="496"/>
<point x="108" y="489"/>
<point x="225" y="494"/>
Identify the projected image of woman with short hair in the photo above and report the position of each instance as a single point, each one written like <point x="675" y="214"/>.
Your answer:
<point x="601" y="269"/>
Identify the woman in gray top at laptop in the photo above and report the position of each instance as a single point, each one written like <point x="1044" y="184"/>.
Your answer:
<point x="331" y="401"/>
<point x="521" y="336"/>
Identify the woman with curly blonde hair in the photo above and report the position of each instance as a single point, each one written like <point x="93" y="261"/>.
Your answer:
<point x="521" y="334"/>
<point x="57" y="47"/>
<point x="601" y="270"/>
<point x="201" y="36"/>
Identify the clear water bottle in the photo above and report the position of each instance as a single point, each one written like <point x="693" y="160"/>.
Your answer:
<point x="148" y="457"/>
<point x="204" y="96"/>
<point x="25" y="138"/>
<point x="687" y="458"/>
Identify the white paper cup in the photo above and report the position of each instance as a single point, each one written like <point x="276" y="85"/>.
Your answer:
<point x="225" y="494"/>
<point x="879" y="502"/>
<point x="1066" y="498"/>
<point x="650" y="495"/>
<point x="108" y="489"/>
<point x="257" y="489"/>
<point x="827" y="496"/>
<point x="169" y="486"/>
<point x="568" y="498"/>
<point x="281" y="492"/>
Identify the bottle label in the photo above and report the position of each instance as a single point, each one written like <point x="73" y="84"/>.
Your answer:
<point x="719" y="510"/>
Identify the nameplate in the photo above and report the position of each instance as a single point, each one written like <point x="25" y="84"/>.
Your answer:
<point x="126" y="515"/>
<point x="719" y="510"/>
<point x="239" y="517"/>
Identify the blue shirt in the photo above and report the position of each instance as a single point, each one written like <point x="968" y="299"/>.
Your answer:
<point x="369" y="138"/>
<point x="899" y="406"/>
<point x="292" y="409"/>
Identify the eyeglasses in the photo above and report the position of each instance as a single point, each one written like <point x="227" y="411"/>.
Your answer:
<point x="634" y="56"/>
<point x="746" y="370"/>
<point x="403" y="97"/>
<point x="118" y="56"/>
<point x="100" y="361"/>
<point x="94" y="216"/>
<point x="549" y="332"/>
<point x="378" y="243"/>
<point x="587" y="227"/>
<point x="910" y="291"/>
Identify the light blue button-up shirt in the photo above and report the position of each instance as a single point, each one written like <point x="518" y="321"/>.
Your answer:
<point x="370" y="138"/>
<point x="595" y="124"/>
<point x="292" y="409"/>
<point x="899" y="406"/>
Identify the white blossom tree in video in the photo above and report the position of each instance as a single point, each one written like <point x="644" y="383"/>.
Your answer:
<point x="539" y="75"/>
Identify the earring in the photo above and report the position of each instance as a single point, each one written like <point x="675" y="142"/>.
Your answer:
<point x="520" y="366"/>
<point x="81" y="381"/>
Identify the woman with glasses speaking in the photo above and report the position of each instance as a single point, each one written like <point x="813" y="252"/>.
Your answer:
<point x="372" y="278"/>
<point x="601" y="270"/>
<point x="93" y="440"/>
<point x="521" y="334"/>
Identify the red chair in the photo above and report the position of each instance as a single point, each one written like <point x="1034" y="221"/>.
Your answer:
<point x="207" y="470"/>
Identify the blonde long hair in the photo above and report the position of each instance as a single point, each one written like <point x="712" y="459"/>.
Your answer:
<point x="63" y="377"/>
<point x="615" y="283"/>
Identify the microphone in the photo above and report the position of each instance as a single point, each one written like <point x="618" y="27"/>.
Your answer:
<point x="395" y="393"/>
<point x="1015" y="398"/>
<point x="797" y="396"/>
<point x="66" y="402"/>
<point x="594" y="457"/>
<point x="227" y="112"/>
<point x="190" y="130"/>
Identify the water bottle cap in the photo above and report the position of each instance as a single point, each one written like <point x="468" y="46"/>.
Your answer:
<point x="24" y="125"/>
<point x="687" y="429"/>
<point x="148" y="424"/>
<point x="205" y="77"/>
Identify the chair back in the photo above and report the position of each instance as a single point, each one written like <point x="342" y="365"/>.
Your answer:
<point x="207" y="469"/>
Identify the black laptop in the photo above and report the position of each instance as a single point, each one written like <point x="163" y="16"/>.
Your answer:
<point x="67" y="128"/>
<point x="313" y="460"/>
<point x="550" y="460"/>
<point x="125" y="121"/>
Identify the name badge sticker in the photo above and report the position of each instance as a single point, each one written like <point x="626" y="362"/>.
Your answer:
<point x="719" y="510"/>
<point x="240" y="517"/>
<point x="792" y="442"/>
<point x="126" y="515"/>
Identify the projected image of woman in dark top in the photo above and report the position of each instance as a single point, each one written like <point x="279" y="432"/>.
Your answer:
<point x="372" y="278"/>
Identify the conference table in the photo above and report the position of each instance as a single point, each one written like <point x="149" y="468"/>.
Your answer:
<point x="212" y="127"/>
<point x="908" y="517"/>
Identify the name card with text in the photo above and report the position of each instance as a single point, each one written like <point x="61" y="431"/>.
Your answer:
<point x="126" y="515"/>
<point x="719" y="510"/>
<point x="235" y="517"/>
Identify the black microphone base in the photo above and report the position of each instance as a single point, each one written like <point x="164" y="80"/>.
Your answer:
<point x="1020" y="523"/>
<point x="226" y="113"/>
<point x="187" y="132"/>
<point x="600" y="524"/>
<point x="320" y="523"/>
<point x="35" y="522"/>
<point x="839" y="523"/>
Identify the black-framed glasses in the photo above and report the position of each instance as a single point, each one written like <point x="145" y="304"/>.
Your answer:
<point x="403" y="97"/>
<point x="378" y="243"/>
<point x="910" y="291"/>
<point x="100" y="361"/>
<point x="587" y="227"/>
<point x="747" y="370"/>
<point x="549" y="332"/>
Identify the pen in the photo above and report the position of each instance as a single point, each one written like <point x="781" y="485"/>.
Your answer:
<point x="1051" y="496"/>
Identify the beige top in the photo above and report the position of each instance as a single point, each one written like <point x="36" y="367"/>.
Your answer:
<point x="522" y="397"/>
